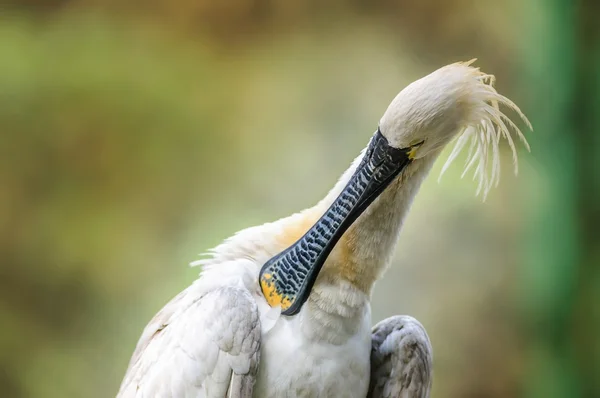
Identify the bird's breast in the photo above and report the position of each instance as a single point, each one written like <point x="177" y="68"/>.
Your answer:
<point x="317" y="353"/>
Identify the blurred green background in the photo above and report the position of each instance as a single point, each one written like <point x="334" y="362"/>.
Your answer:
<point x="135" y="135"/>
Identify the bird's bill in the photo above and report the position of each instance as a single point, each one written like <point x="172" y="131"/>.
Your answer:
<point x="287" y="279"/>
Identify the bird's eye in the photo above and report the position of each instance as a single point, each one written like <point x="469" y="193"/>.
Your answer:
<point x="412" y="150"/>
<point x="413" y="146"/>
<point x="418" y="144"/>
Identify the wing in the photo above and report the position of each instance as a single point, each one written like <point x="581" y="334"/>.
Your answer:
<point x="206" y="346"/>
<point x="401" y="359"/>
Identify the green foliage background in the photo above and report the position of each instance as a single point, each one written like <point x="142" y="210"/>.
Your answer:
<point x="136" y="135"/>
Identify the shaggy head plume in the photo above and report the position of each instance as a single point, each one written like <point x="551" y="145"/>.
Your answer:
<point x="484" y="135"/>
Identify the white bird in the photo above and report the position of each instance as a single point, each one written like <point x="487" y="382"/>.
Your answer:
<point x="283" y="309"/>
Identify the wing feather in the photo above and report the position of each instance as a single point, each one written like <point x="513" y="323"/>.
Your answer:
<point x="401" y="359"/>
<point x="206" y="346"/>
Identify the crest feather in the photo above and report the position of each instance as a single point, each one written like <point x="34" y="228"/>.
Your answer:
<point x="484" y="136"/>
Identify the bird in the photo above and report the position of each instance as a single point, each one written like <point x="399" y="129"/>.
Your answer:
<point x="283" y="309"/>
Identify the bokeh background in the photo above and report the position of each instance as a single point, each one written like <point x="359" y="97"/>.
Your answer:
<point x="137" y="134"/>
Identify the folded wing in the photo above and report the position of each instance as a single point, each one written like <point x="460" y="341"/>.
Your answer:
<point x="401" y="359"/>
<point x="206" y="346"/>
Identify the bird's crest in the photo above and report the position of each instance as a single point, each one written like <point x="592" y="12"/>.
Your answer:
<point x="484" y="136"/>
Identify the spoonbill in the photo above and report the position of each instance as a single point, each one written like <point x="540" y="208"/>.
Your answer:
<point x="283" y="309"/>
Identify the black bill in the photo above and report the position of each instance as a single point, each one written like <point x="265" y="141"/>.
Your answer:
<point x="288" y="278"/>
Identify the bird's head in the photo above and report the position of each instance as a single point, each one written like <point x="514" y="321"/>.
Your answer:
<point x="458" y="102"/>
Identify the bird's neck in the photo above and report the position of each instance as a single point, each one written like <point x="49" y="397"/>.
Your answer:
<point x="364" y="251"/>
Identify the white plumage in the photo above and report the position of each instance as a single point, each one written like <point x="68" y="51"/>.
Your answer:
<point x="226" y="335"/>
